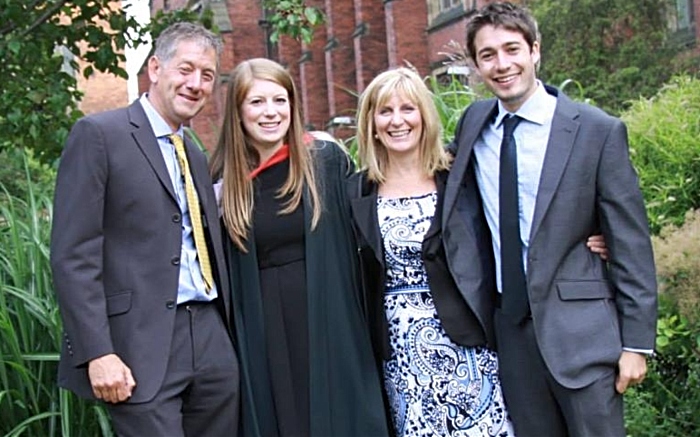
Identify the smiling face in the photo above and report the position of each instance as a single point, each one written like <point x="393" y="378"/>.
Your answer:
<point x="266" y="114"/>
<point x="399" y="125"/>
<point x="181" y="85"/>
<point x="507" y="64"/>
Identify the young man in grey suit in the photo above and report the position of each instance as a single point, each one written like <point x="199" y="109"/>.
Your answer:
<point x="139" y="272"/>
<point x="572" y="332"/>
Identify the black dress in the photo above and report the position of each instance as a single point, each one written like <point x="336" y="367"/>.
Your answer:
<point x="279" y="244"/>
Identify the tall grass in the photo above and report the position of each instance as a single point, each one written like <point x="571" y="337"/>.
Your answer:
<point x="31" y="404"/>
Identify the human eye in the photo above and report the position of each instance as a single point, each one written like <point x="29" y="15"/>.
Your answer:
<point x="208" y="76"/>
<point x="185" y="69"/>
<point x="486" y="56"/>
<point x="281" y="100"/>
<point x="384" y="110"/>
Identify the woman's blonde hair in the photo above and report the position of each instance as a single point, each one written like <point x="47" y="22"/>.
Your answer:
<point x="235" y="157"/>
<point x="371" y="153"/>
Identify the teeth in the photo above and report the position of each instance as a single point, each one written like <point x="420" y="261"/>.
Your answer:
<point x="402" y="133"/>
<point x="505" y="79"/>
<point x="269" y="124"/>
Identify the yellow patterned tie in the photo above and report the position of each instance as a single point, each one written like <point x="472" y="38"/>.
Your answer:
<point x="195" y="214"/>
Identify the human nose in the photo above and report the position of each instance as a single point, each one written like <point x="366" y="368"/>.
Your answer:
<point x="268" y="109"/>
<point x="195" y="80"/>
<point x="396" y="118"/>
<point x="502" y="61"/>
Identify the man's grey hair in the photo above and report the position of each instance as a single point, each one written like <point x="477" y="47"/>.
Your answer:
<point x="168" y="41"/>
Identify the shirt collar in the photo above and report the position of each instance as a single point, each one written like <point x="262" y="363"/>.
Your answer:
<point x="159" y="126"/>
<point x="537" y="109"/>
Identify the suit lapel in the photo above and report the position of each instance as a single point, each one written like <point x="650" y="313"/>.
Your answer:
<point x="364" y="210"/>
<point x="143" y="134"/>
<point x="436" y="223"/>
<point x="468" y="130"/>
<point x="561" y="141"/>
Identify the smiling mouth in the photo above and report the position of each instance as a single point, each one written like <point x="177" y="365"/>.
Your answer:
<point x="268" y="125"/>
<point x="506" y="80"/>
<point x="400" y="133"/>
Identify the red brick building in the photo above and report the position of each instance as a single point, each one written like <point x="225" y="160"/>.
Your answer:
<point x="359" y="39"/>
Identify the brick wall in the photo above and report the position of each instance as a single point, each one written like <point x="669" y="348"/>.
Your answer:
<point x="359" y="39"/>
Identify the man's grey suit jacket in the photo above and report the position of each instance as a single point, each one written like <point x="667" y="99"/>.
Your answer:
<point x="115" y="248"/>
<point x="583" y="309"/>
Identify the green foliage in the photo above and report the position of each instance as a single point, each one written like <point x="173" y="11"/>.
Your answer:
<point x="451" y="98"/>
<point x="619" y="49"/>
<point x="292" y="18"/>
<point x="664" y="132"/>
<point x="30" y="327"/>
<point x="40" y="43"/>
<point x="17" y="165"/>
<point x="667" y="403"/>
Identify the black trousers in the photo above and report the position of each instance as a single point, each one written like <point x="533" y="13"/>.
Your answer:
<point x="541" y="407"/>
<point x="200" y="393"/>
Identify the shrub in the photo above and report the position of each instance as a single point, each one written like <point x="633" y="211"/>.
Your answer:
<point x="677" y="255"/>
<point x="664" y="132"/>
<point x="19" y="168"/>
<point x="664" y="404"/>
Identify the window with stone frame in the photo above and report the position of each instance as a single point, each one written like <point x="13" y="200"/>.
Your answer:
<point x="682" y="22"/>
<point x="439" y="8"/>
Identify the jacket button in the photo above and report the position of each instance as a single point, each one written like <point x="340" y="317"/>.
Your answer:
<point x="175" y="261"/>
<point x="176" y="218"/>
<point x="170" y="304"/>
<point x="430" y="256"/>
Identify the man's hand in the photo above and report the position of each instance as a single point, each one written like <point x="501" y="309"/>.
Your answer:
<point x="632" y="367"/>
<point x="596" y="244"/>
<point x="111" y="379"/>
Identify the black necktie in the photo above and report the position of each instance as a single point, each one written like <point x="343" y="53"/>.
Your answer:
<point x="513" y="285"/>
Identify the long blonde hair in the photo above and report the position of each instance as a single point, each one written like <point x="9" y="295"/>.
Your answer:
<point x="235" y="156"/>
<point x="371" y="153"/>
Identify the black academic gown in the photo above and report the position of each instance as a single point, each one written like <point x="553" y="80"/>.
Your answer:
<point x="345" y="391"/>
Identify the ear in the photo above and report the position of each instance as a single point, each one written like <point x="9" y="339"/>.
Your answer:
<point x="154" y="69"/>
<point x="535" y="51"/>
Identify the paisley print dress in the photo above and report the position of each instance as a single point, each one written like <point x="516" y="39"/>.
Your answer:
<point x="435" y="386"/>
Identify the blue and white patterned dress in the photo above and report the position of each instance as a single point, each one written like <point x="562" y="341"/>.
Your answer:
<point x="435" y="386"/>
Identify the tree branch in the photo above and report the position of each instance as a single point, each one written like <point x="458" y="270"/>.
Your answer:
<point x="45" y="16"/>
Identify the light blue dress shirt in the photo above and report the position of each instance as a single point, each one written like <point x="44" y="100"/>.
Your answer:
<point x="531" y="137"/>
<point x="191" y="285"/>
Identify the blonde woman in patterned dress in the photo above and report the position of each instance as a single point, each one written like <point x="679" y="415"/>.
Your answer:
<point x="440" y="373"/>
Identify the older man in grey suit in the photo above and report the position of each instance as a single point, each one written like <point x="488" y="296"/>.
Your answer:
<point x="136" y="252"/>
<point x="572" y="332"/>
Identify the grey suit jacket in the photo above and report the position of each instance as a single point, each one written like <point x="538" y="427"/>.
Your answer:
<point x="583" y="309"/>
<point x="115" y="248"/>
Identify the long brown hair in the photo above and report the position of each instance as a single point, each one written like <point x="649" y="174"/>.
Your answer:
<point x="235" y="156"/>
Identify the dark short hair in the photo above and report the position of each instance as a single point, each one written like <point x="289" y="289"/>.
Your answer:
<point x="506" y="15"/>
